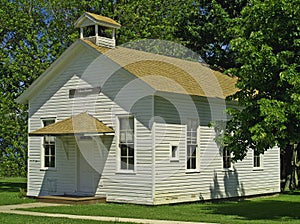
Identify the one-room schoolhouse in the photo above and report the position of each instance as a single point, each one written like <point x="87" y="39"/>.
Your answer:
<point x="133" y="127"/>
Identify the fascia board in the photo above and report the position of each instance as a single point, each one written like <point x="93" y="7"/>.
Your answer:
<point x="50" y="72"/>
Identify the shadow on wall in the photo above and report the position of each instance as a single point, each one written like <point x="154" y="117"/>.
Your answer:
<point x="228" y="187"/>
<point x="78" y="174"/>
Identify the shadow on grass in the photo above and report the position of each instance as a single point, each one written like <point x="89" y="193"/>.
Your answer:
<point x="259" y="210"/>
<point x="11" y="186"/>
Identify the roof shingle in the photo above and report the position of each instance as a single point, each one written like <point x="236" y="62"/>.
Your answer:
<point x="170" y="74"/>
<point x="82" y="123"/>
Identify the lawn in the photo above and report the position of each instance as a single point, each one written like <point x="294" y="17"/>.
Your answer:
<point x="22" y="219"/>
<point x="276" y="209"/>
<point x="12" y="191"/>
<point x="268" y="210"/>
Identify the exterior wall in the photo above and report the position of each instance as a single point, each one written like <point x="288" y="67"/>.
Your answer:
<point x="160" y="123"/>
<point x="174" y="183"/>
<point x="86" y="71"/>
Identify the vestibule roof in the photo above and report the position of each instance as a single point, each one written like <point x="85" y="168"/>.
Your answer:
<point x="82" y="123"/>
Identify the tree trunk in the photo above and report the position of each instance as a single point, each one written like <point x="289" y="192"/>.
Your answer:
<point x="289" y="165"/>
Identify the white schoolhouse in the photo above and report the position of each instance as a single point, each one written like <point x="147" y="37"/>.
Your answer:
<point x="133" y="127"/>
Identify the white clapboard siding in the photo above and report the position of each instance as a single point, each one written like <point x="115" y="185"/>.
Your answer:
<point x="160" y="119"/>
<point x="53" y="101"/>
<point x="173" y="183"/>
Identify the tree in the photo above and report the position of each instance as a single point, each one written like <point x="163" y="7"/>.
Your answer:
<point x="267" y="45"/>
<point x="207" y="30"/>
<point x="34" y="33"/>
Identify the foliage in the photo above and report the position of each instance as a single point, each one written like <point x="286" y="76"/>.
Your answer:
<point x="34" y="33"/>
<point x="267" y="45"/>
<point x="206" y="30"/>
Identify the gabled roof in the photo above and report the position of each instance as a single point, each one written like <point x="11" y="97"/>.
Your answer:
<point x="82" y="123"/>
<point x="162" y="73"/>
<point x="97" y="19"/>
<point x="170" y="74"/>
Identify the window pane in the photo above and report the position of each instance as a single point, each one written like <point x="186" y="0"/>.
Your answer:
<point x="47" y="151"/>
<point x="124" y="163"/>
<point x="52" y="150"/>
<point x="127" y="142"/>
<point x="48" y="122"/>
<point x="123" y="137"/>
<point x="193" y="163"/>
<point x="123" y="124"/>
<point x="123" y="150"/>
<point x="47" y="161"/>
<point x="52" y="163"/>
<point x="130" y="150"/>
<point x="131" y="164"/>
<point x="174" y="151"/>
<point x="129" y="136"/>
<point x="49" y="146"/>
<point x="226" y="158"/>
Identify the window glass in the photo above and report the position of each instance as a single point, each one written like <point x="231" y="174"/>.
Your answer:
<point x="49" y="146"/>
<point x="126" y="142"/>
<point x="226" y="158"/>
<point x="192" y="126"/>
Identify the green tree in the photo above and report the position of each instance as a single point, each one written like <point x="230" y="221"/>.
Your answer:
<point x="33" y="33"/>
<point x="267" y="44"/>
<point x="22" y="59"/>
<point x="207" y="30"/>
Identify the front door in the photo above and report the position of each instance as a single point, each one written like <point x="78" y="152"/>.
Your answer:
<point x="88" y="177"/>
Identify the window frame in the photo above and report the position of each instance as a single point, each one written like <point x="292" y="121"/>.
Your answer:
<point x="119" y="154"/>
<point x="194" y="143"/>
<point x="260" y="157"/>
<point x="174" y="157"/>
<point x="49" y="143"/>
<point x="225" y="156"/>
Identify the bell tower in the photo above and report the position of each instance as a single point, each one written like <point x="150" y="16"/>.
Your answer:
<point x="98" y="29"/>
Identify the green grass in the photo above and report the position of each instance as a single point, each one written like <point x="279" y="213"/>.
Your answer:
<point x="22" y="219"/>
<point x="10" y="192"/>
<point x="276" y="209"/>
<point x="268" y="210"/>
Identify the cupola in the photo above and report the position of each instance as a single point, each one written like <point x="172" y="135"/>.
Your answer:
<point x="98" y="29"/>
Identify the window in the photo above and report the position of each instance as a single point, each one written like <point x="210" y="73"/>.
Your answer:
<point x="174" y="152"/>
<point x="226" y="158"/>
<point x="126" y="140"/>
<point x="192" y="126"/>
<point x="256" y="159"/>
<point x="49" y="147"/>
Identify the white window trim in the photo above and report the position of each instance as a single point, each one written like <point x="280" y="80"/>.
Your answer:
<point x="118" y="149"/>
<point x="43" y="168"/>
<point x="176" y="158"/>
<point x="197" y="170"/>
<point x="261" y="167"/>
<point x="228" y="169"/>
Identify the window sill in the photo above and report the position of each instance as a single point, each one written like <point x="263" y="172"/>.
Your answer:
<point x="126" y="172"/>
<point x="174" y="160"/>
<point x="228" y="170"/>
<point x="258" y="169"/>
<point x="48" y="169"/>
<point x="192" y="171"/>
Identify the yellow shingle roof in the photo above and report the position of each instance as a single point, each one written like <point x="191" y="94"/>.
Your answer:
<point x="82" y="123"/>
<point x="171" y="74"/>
<point x="102" y="20"/>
